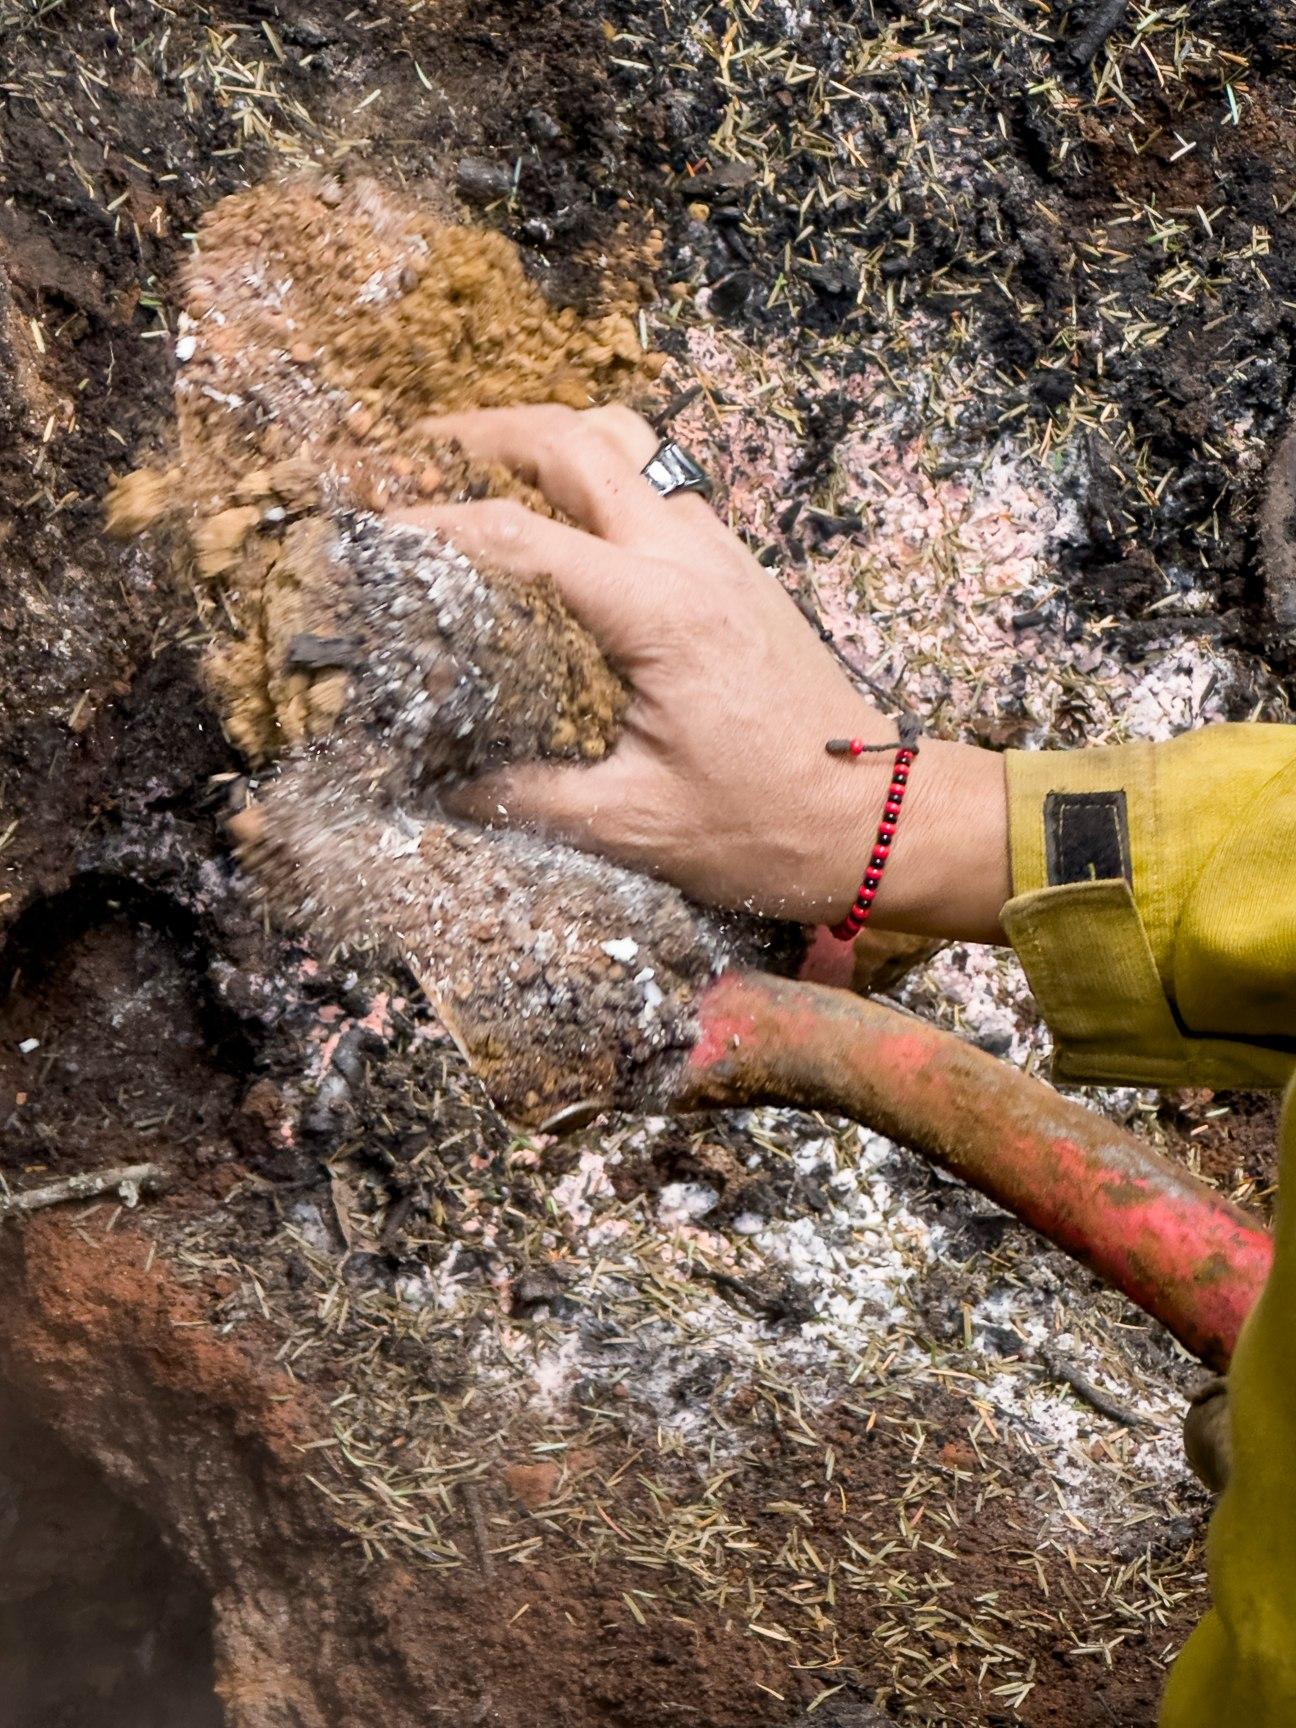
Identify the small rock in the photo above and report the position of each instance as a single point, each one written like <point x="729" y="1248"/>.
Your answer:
<point x="832" y="280"/>
<point x="729" y="296"/>
<point x="623" y="948"/>
<point x="326" y="1109"/>
<point x="307" y="653"/>
<point x="542" y="128"/>
<point x="958" y="1455"/>
<point x="349" y="1056"/>
<point x="725" y="177"/>
<point x="259" y="1123"/>
<point x="304" y="32"/>
<point x="843" y="1713"/>
<point x="538" y="1288"/>
<point x="482" y="182"/>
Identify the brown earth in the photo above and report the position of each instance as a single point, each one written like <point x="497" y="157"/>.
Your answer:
<point x="211" y="1440"/>
<point x="222" y="1449"/>
<point x="325" y="329"/>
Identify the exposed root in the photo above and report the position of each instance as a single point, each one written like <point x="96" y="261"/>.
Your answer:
<point x="129" y="1181"/>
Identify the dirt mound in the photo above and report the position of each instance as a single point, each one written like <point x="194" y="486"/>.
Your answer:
<point x="326" y="328"/>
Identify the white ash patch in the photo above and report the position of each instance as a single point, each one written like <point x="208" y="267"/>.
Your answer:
<point x="855" y="1258"/>
<point x="982" y="994"/>
<point x="554" y="1373"/>
<point x="1026" y="1398"/>
<point x="576" y="1195"/>
<point x="948" y="595"/>
<point x="643" y="1315"/>
<point x="1185" y="688"/>
<point x="684" y="1203"/>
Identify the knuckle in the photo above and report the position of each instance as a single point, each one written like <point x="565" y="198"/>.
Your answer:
<point x="620" y="431"/>
<point x="617" y="419"/>
<point x="554" y="423"/>
<point x="588" y="428"/>
<point x="504" y="518"/>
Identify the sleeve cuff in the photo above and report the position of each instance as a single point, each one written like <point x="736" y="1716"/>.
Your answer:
<point x="1109" y="847"/>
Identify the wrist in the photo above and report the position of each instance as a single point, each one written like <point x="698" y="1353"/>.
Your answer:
<point x="947" y="870"/>
<point x="844" y="799"/>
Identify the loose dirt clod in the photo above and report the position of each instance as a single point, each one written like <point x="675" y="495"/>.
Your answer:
<point x="566" y="982"/>
<point x="327" y="327"/>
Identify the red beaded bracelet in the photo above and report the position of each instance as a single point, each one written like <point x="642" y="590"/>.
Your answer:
<point x="860" y="912"/>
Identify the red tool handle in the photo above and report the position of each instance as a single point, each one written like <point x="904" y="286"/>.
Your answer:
<point x="1177" y="1248"/>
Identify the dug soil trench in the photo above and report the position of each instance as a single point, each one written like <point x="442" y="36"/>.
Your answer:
<point x="381" y="1410"/>
<point x="97" y="1619"/>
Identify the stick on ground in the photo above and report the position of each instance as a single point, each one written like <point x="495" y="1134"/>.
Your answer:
<point x="129" y="1181"/>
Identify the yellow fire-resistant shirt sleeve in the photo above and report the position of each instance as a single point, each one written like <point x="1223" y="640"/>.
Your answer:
<point x="1182" y="969"/>
<point x="1238" y="1670"/>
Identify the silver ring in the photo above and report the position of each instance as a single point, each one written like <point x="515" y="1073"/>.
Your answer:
<point x="672" y="469"/>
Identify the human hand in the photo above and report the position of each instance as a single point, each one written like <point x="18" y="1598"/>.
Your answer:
<point x="719" y="782"/>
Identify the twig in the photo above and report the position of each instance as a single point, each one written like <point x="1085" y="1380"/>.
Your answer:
<point x="130" y="1181"/>
<point x="676" y="405"/>
<point x="784" y="1304"/>
<point x="1084" y="49"/>
<point x="1058" y="1368"/>
<point x="477" y="1525"/>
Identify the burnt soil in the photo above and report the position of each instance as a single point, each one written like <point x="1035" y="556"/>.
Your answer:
<point x="163" y="1024"/>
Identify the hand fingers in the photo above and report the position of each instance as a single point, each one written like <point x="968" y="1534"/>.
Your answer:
<point x="589" y="464"/>
<point x="521" y="438"/>
<point x="607" y="592"/>
<point x="577" y="804"/>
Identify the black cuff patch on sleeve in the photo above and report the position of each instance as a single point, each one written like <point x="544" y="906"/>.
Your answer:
<point x="1086" y="837"/>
